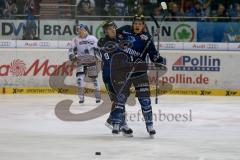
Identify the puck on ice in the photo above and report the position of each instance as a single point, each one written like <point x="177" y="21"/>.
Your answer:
<point x="97" y="153"/>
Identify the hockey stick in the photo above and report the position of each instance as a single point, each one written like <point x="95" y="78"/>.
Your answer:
<point x="164" y="7"/>
<point x="138" y="61"/>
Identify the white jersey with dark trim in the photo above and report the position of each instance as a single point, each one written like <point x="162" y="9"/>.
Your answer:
<point x="83" y="46"/>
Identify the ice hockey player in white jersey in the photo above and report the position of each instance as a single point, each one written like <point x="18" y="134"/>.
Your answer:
<point x="82" y="50"/>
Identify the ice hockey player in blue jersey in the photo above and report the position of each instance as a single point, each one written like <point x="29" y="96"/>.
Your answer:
<point x="109" y="47"/>
<point x="141" y="45"/>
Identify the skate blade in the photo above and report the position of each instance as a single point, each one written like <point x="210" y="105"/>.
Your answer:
<point x="151" y="136"/>
<point x="127" y="135"/>
<point x="115" y="134"/>
<point x="108" y="125"/>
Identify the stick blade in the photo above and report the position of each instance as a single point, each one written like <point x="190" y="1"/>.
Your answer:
<point x="164" y="5"/>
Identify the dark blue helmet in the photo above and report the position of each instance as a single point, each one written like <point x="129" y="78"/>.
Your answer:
<point x="107" y="24"/>
<point x="138" y="17"/>
<point x="83" y="26"/>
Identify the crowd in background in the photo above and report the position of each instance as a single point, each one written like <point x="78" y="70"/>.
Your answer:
<point x="10" y="8"/>
<point x="194" y="10"/>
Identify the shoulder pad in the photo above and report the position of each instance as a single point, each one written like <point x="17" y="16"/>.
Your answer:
<point x="145" y="36"/>
<point x="100" y="42"/>
<point x="126" y="28"/>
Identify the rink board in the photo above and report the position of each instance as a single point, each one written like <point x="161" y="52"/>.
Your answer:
<point x="193" y="68"/>
<point x="175" y="91"/>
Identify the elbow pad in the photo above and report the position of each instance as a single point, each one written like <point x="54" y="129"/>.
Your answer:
<point x="72" y="57"/>
<point x="159" y="59"/>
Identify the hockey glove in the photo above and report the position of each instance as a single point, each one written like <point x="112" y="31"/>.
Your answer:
<point x="72" y="57"/>
<point x="161" y="63"/>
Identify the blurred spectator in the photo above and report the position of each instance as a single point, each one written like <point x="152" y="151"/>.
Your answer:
<point x="220" y="13"/>
<point x="196" y="11"/>
<point x="108" y="8"/>
<point x="193" y="9"/>
<point x="121" y="8"/>
<point x="2" y="7"/>
<point x="86" y="7"/>
<point x="100" y="7"/>
<point x="116" y="7"/>
<point x="135" y="7"/>
<point x="29" y="6"/>
<point x="20" y="6"/>
<point x="30" y="28"/>
<point x="139" y="10"/>
<point x="10" y="9"/>
<point x="37" y="7"/>
<point x="187" y="8"/>
<point x="206" y="9"/>
<point x="199" y="9"/>
<point x="26" y="6"/>
<point x="157" y="10"/>
<point x="147" y="7"/>
<point x="234" y="11"/>
<point x="174" y="13"/>
<point x="215" y="3"/>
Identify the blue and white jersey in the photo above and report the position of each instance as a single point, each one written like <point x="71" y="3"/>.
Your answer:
<point x="138" y="43"/>
<point x="108" y="48"/>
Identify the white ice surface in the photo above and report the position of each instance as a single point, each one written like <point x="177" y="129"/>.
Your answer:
<point x="30" y="130"/>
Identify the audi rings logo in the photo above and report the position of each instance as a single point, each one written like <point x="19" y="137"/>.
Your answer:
<point x="44" y="44"/>
<point x="5" y="44"/>
<point x="168" y="46"/>
<point x="30" y="44"/>
<point x="37" y="44"/>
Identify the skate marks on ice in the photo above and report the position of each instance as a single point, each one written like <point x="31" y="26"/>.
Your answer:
<point x="62" y="109"/>
<point x="83" y="146"/>
<point x="42" y="136"/>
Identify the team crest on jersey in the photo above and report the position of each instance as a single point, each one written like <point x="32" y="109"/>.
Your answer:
<point x="131" y="39"/>
<point x="86" y="42"/>
<point x="144" y="37"/>
<point x="120" y="36"/>
<point x="125" y="32"/>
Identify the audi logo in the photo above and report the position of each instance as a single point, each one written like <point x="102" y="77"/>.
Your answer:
<point x="170" y="46"/>
<point x="44" y="44"/>
<point x="212" y="46"/>
<point x="5" y="44"/>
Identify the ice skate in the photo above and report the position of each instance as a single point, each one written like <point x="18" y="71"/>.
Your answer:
<point x="108" y="123"/>
<point x="98" y="100"/>
<point x="151" y="131"/>
<point x="81" y="101"/>
<point x="116" y="129"/>
<point x="126" y="131"/>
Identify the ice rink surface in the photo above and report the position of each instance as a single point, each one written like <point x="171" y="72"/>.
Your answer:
<point x="30" y="130"/>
